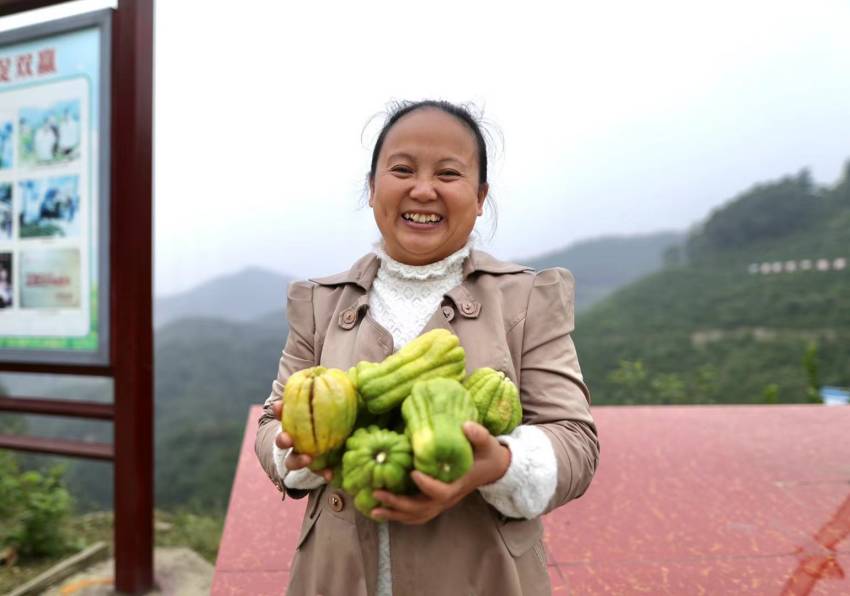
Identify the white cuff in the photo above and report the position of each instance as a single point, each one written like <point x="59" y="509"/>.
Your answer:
<point x="302" y="479"/>
<point x="531" y="479"/>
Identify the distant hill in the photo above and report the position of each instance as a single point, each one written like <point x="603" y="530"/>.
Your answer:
<point x="601" y="265"/>
<point x="705" y="329"/>
<point x="240" y="296"/>
<point x="209" y="372"/>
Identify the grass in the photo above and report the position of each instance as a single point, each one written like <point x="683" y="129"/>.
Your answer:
<point x="199" y="532"/>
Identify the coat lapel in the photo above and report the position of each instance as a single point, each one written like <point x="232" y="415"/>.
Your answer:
<point x="437" y="321"/>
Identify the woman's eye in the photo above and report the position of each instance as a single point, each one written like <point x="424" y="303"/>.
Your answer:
<point x="401" y="170"/>
<point x="449" y="174"/>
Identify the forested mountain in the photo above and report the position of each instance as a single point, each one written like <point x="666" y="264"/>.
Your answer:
<point x="240" y="296"/>
<point x="709" y="329"/>
<point x="602" y="265"/>
<point x="209" y="373"/>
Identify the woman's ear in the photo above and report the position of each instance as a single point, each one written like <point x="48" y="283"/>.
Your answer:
<point x="483" y="189"/>
<point x="371" y="192"/>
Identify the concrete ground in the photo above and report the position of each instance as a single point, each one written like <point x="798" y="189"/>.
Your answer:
<point x="177" y="571"/>
<point x="686" y="500"/>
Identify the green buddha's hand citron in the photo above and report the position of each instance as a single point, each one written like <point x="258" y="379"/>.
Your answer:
<point x="435" y="413"/>
<point x="497" y="400"/>
<point x="386" y="384"/>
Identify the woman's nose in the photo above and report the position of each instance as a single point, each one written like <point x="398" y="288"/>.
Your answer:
<point x="423" y="190"/>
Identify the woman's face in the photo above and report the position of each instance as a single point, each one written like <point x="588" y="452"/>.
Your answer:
<point x="425" y="193"/>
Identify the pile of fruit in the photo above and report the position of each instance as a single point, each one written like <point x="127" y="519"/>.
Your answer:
<point x="375" y="423"/>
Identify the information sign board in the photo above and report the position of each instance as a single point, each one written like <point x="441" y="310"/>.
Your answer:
<point x="54" y="189"/>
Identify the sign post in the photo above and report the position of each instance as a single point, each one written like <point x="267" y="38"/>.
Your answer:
<point x="132" y="291"/>
<point x="76" y="113"/>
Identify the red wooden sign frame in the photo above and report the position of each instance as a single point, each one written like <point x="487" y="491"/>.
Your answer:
<point x="130" y="313"/>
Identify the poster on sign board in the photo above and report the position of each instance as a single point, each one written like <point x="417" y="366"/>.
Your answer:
<point x="54" y="192"/>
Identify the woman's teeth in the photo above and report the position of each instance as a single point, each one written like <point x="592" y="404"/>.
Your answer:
<point x="422" y="217"/>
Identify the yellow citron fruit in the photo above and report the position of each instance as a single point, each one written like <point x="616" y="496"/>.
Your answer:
<point x="319" y="409"/>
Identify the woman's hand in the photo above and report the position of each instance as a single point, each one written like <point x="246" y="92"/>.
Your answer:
<point x="294" y="461"/>
<point x="491" y="462"/>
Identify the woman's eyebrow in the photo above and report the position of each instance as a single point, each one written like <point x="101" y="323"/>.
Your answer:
<point x="452" y="160"/>
<point x="408" y="157"/>
<point x="400" y="155"/>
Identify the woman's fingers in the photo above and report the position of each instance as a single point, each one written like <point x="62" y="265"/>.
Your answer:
<point x="283" y="440"/>
<point x="277" y="409"/>
<point x="407" y="510"/>
<point x="296" y="461"/>
<point x="437" y="497"/>
<point x="478" y="436"/>
<point x="404" y="509"/>
<point x="433" y="488"/>
<point x="403" y="517"/>
<point x="400" y="502"/>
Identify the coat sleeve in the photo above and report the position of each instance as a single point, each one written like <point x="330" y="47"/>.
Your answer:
<point x="554" y="396"/>
<point x="297" y="354"/>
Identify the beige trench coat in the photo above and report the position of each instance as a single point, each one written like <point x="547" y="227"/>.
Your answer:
<point x="507" y="317"/>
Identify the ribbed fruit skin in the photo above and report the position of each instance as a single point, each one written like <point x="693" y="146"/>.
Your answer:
<point x="319" y="409"/>
<point x="375" y="458"/>
<point x="435" y="413"/>
<point x="497" y="400"/>
<point x="386" y="384"/>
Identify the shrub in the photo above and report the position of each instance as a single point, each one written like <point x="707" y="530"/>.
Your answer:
<point x="34" y="509"/>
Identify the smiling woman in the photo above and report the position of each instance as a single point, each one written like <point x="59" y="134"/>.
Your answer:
<point x="482" y="532"/>
<point x="428" y="174"/>
<point x="428" y="181"/>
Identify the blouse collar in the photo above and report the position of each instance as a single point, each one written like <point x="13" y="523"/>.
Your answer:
<point x="451" y="264"/>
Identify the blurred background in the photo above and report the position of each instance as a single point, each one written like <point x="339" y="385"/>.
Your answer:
<point x="688" y="163"/>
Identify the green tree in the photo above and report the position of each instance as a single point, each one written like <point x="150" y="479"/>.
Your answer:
<point x="34" y="509"/>
<point x="770" y="394"/>
<point x="669" y="388"/>
<point x="631" y="383"/>
<point x="704" y="385"/>
<point x="810" y="365"/>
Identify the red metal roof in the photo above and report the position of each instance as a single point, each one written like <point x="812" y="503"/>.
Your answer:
<point x="687" y="500"/>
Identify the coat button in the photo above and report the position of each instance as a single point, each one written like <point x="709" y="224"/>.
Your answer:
<point x="336" y="502"/>
<point x="448" y="312"/>
<point x="467" y="308"/>
<point x="347" y="318"/>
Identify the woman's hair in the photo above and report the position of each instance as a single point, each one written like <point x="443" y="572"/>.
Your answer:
<point x="461" y="112"/>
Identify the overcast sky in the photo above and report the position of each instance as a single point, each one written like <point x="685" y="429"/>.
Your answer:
<point x="616" y="117"/>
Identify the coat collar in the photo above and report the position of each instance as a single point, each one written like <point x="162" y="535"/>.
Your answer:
<point x="364" y="270"/>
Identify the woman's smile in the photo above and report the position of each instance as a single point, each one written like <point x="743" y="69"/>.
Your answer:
<point x="422" y="221"/>
<point x="421" y="218"/>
